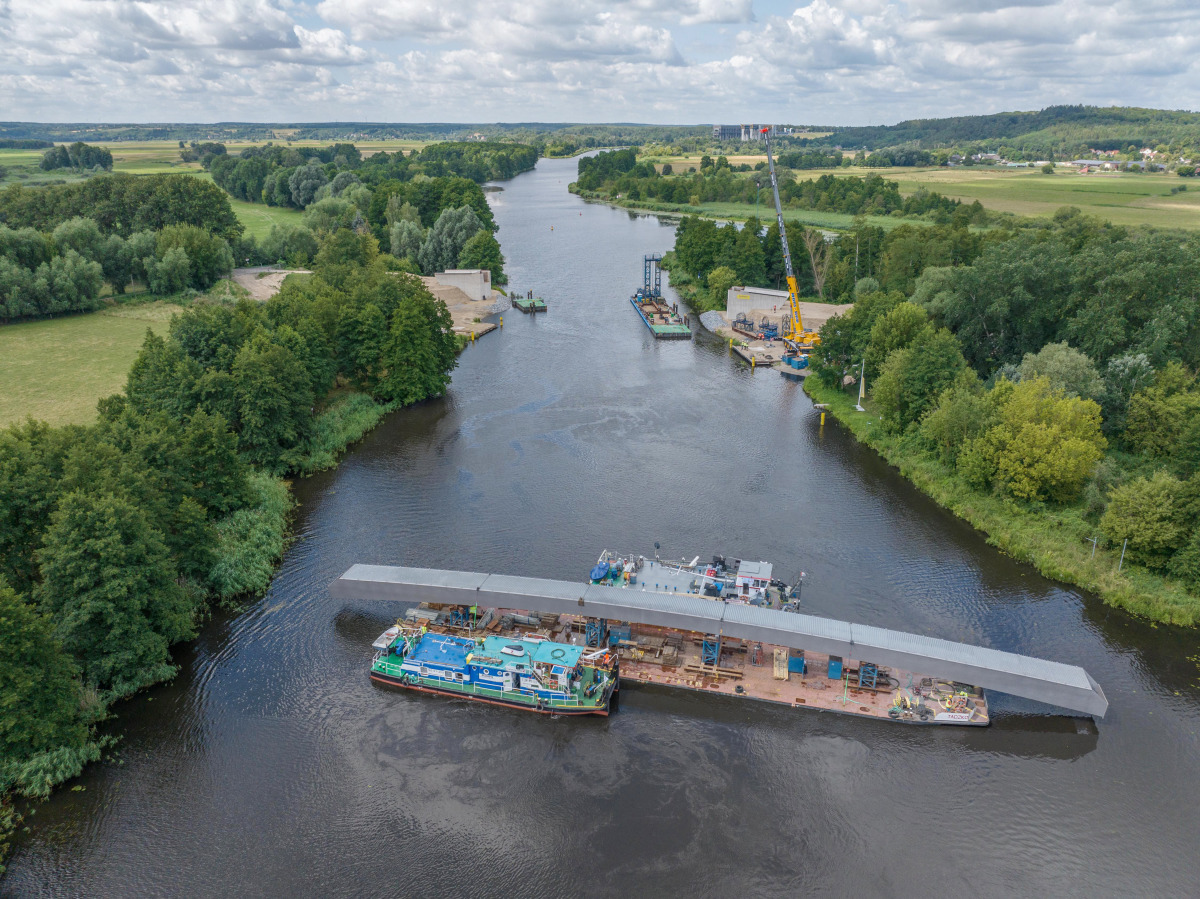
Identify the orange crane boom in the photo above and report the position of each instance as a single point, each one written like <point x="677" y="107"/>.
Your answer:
<point x="793" y="330"/>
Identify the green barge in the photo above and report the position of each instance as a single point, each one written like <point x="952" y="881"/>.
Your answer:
<point x="528" y="672"/>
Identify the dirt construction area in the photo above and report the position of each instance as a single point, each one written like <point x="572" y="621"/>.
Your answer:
<point x="770" y="352"/>
<point x="263" y="281"/>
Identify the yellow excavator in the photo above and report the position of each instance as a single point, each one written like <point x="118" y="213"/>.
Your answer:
<point x="793" y="327"/>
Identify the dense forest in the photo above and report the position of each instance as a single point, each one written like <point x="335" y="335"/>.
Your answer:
<point x="116" y="539"/>
<point x="1060" y="132"/>
<point x="618" y="176"/>
<point x="1053" y="369"/>
<point x="60" y="244"/>
<point x="709" y="258"/>
<point x="426" y="207"/>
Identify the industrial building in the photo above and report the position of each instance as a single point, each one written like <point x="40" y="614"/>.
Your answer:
<point x="744" y="132"/>
<point x="740" y="300"/>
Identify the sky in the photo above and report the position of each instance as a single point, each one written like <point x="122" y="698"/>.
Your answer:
<point x="841" y="62"/>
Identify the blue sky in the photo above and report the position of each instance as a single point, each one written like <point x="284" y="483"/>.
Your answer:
<point x="670" y="61"/>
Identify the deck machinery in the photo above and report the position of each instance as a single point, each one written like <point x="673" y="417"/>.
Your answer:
<point x="793" y="326"/>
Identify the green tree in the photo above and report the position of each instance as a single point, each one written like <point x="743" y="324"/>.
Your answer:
<point x="1045" y="445"/>
<point x="720" y="280"/>
<point x="406" y="239"/>
<point x="39" y="694"/>
<point x="274" y="399"/>
<point x="446" y="239"/>
<point x="1146" y="513"/>
<point x="110" y="585"/>
<point x="483" y="251"/>
<point x="912" y="379"/>
<point x="81" y="235"/>
<point x="330" y="214"/>
<point x="1066" y="368"/>
<point x="172" y="273"/>
<point x="895" y="330"/>
<point x="421" y="350"/>
<point x="304" y="182"/>
<point x="209" y="257"/>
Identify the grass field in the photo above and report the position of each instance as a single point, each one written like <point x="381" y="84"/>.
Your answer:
<point x="1123" y="199"/>
<point x="56" y="370"/>
<point x="157" y="157"/>
<point x="259" y="217"/>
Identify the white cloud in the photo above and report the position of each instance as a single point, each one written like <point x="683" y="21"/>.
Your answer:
<point x="820" y="61"/>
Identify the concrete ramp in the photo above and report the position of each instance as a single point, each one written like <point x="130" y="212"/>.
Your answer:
<point x="1066" y="686"/>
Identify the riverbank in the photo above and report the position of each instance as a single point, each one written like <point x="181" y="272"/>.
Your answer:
<point x="1056" y="541"/>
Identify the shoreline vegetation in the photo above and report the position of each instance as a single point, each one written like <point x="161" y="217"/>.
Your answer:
<point x="1038" y="381"/>
<point x="120" y="537"/>
<point x="1057" y="542"/>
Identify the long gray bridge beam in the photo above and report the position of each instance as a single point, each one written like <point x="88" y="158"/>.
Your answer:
<point x="1065" y="686"/>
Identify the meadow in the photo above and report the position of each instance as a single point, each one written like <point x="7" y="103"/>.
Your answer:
<point x="158" y="156"/>
<point x="56" y="369"/>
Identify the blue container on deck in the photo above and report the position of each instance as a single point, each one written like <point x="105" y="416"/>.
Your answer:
<point x="619" y="632"/>
<point x="835" y="667"/>
<point x="796" y="665"/>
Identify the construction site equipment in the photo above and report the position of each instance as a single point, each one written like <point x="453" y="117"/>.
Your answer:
<point x="793" y="326"/>
<point x="868" y="674"/>
<point x="835" y="667"/>
<point x="596" y="631"/>
<point x="710" y="650"/>
<point x="652" y="276"/>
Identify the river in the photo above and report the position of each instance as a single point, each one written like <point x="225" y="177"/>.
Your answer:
<point x="271" y="766"/>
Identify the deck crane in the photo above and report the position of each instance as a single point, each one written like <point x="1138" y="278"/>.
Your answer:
<point x="793" y="326"/>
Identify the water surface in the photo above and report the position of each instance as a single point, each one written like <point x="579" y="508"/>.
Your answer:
<point x="272" y="766"/>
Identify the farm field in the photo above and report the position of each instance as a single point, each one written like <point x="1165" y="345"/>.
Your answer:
<point x="56" y="370"/>
<point x="1123" y="199"/>
<point x="157" y="157"/>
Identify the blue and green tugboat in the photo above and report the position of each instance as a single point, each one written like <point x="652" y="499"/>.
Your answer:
<point x="528" y="672"/>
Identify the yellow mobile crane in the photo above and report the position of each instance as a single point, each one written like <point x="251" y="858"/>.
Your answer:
<point x="793" y="326"/>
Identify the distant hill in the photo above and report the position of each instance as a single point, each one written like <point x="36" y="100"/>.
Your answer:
<point x="1056" y="129"/>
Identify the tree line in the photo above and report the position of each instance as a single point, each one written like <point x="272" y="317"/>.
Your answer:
<point x="79" y="156"/>
<point x="281" y="175"/>
<point x="712" y="257"/>
<point x="617" y="175"/>
<point x="1055" y="368"/>
<point x="60" y="244"/>
<point x="117" y="538"/>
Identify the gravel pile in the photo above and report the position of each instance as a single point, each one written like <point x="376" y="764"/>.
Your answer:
<point x="712" y="321"/>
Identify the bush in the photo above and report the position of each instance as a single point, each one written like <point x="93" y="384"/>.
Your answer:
<point x="251" y="539"/>
<point x="1145" y="513"/>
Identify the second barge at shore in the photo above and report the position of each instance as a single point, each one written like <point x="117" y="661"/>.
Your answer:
<point x="664" y="321"/>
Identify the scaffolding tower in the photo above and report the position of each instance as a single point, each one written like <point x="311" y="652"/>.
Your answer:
<point x="652" y="281"/>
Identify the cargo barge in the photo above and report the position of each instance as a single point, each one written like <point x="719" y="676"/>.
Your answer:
<point x="664" y="321"/>
<point x="572" y="664"/>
